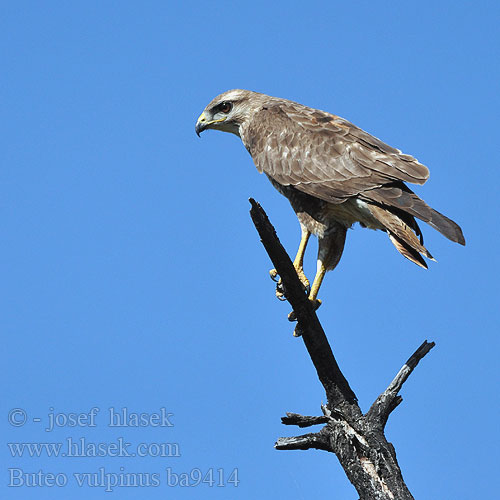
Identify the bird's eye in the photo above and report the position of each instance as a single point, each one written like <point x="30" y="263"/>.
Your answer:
<point x="225" y="107"/>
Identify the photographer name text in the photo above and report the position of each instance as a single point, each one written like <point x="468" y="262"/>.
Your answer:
<point x="114" y="417"/>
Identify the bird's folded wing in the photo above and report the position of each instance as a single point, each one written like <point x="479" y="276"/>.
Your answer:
<point x="324" y="155"/>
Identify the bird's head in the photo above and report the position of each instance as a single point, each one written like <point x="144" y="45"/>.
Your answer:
<point x="228" y="111"/>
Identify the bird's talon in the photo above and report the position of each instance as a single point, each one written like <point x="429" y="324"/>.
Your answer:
<point x="297" y="332"/>
<point x="280" y="291"/>
<point x="274" y="275"/>
<point x="292" y="316"/>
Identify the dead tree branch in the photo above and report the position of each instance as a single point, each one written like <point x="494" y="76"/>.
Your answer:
<point x="336" y="386"/>
<point x="302" y="421"/>
<point x="357" y="439"/>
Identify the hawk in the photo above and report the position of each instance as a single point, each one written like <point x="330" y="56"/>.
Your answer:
<point x="333" y="173"/>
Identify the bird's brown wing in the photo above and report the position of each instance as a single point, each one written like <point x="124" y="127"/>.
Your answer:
<point x="323" y="154"/>
<point x="328" y="157"/>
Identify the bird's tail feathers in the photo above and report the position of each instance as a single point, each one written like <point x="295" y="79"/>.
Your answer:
<point x="437" y="220"/>
<point x="407" y="251"/>
<point x="405" y="237"/>
<point x="402" y="198"/>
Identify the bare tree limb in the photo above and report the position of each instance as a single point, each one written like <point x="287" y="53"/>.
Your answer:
<point x="389" y="399"/>
<point x="304" y="442"/>
<point x="336" y="386"/>
<point x="357" y="440"/>
<point x="302" y="420"/>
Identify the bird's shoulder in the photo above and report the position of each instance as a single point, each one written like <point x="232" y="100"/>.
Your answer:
<point x="288" y="118"/>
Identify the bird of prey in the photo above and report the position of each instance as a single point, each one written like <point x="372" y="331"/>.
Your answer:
<point x="333" y="173"/>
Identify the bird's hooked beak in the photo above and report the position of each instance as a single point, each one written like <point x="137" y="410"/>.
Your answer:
<point x="203" y="123"/>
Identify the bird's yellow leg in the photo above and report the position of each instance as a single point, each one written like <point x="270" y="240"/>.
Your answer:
<point x="318" y="279"/>
<point x="298" y="263"/>
<point x="330" y="249"/>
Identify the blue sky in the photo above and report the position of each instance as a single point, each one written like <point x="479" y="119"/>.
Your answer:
<point x="133" y="277"/>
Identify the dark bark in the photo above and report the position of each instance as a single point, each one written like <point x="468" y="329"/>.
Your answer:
<point x="357" y="439"/>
